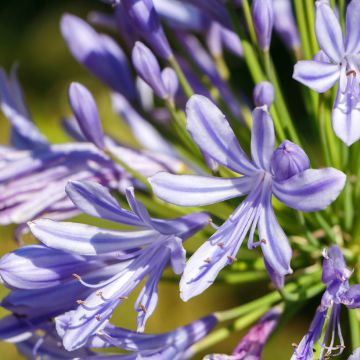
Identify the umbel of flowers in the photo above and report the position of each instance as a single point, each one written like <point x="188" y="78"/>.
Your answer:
<point x="290" y="190"/>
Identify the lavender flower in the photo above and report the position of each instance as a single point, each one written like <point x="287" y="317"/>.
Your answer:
<point x="291" y="181"/>
<point x="263" y="17"/>
<point x="338" y="63"/>
<point x="355" y="355"/>
<point x="84" y="108"/>
<point x="264" y="94"/>
<point x="173" y="345"/>
<point x="151" y="250"/>
<point x="100" y="54"/>
<point x="164" y="84"/>
<point x="146" y="22"/>
<point x="338" y="291"/>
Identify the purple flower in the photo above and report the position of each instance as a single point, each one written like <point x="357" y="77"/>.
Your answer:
<point x="305" y="190"/>
<point x="100" y="54"/>
<point x="173" y="345"/>
<point x="285" y="24"/>
<point x="338" y="62"/>
<point x="84" y="108"/>
<point x="252" y="344"/>
<point x="146" y="23"/>
<point x="264" y="94"/>
<point x="151" y="249"/>
<point x="355" y="355"/>
<point x="263" y="17"/>
<point x="165" y="83"/>
<point x="338" y="291"/>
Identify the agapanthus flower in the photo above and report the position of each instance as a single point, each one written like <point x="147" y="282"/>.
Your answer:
<point x="338" y="61"/>
<point x="252" y="344"/>
<point x="34" y="172"/>
<point x="172" y="345"/>
<point x="284" y="172"/>
<point x="157" y="244"/>
<point x="338" y="291"/>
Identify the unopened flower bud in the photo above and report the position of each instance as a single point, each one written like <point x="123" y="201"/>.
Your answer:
<point x="146" y="22"/>
<point x="288" y="160"/>
<point x="263" y="17"/>
<point x="263" y="94"/>
<point x="86" y="113"/>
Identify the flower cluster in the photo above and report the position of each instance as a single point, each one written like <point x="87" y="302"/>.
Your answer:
<point x="175" y="68"/>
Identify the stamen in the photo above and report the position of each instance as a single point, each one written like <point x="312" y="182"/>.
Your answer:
<point x="351" y="72"/>
<point x="263" y="241"/>
<point x="77" y="277"/>
<point x="294" y="345"/>
<point x="123" y="297"/>
<point x="98" y="317"/>
<point x="207" y="260"/>
<point x="231" y="258"/>
<point x="220" y="245"/>
<point x="80" y="302"/>
<point x="143" y="308"/>
<point x="99" y="293"/>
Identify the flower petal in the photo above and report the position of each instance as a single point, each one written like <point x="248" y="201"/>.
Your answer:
<point x="318" y="76"/>
<point x="328" y="31"/>
<point x="213" y="134"/>
<point x="311" y="190"/>
<point x="262" y="138"/>
<point x="88" y="240"/>
<point x="352" y="42"/>
<point x="96" y="200"/>
<point x="274" y="243"/>
<point x="352" y="297"/>
<point x="346" y="118"/>
<point x="190" y="190"/>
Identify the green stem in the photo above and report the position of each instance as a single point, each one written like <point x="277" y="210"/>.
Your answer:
<point x="310" y="7"/>
<point x="326" y="226"/>
<point x="342" y="14"/>
<point x="348" y="206"/>
<point x="279" y="98"/>
<point x="322" y="129"/>
<point x="310" y="237"/>
<point x="301" y="20"/>
<point x="181" y="76"/>
<point x="249" y="21"/>
<point x="355" y="328"/>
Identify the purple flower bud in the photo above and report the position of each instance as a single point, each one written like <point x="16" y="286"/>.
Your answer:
<point x="288" y="160"/>
<point x="148" y="69"/>
<point x="170" y="81"/>
<point x="146" y="22"/>
<point x="264" y="94"/>
<point x="100" y="54"/>
<point x="285" y="24"/>
<point x="84" y="108"/>
<point x="213" y="39"/>
<point x="263" y="17"/>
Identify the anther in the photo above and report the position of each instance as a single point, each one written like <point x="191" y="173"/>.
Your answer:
<point x="221" y="245"/>
<point x="207" y="260"/>
<point x="351" y="72"/>
<point x="99" y="293"/>
<point x="143" y="308"/>
<point x="231" y="258"/>
<point x="123" y="297"/>
<point x="77" y="277"/>
<point x="294" y="345"/>
<point x="80" y="302"/>
<point x="98" y="317"/>
<point x="263" y="241"/>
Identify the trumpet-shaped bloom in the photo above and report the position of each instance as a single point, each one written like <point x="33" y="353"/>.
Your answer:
<point x="338" y="291"/>
<point x="339" y="62"/>
<point x="157" y="244"/>
<point x="284" y="173"/>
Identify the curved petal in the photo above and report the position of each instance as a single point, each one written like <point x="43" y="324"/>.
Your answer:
<point x="328" y="31"/>
<point x="311" y="190"/>
<point x="352" y="42"/>
<point x="88" y="240"/>
<point x="262" y="138"/>
<point x="95" y="200"/>
<point x="318" y="76"/>
<point x="351" y="298"/>
<point x="213" y="134"/>
<point x="190" y="190"/>
<point x="346" y="118"/>
<point x="274" y="243"/>
<point x="137" y="207"/>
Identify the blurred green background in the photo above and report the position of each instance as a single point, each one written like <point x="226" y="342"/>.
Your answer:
<point x="29" y="35"/>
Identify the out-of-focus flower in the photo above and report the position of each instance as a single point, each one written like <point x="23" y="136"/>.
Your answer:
<point x="252" y="344"/>
<point x="263" y="17"/>
<point x="146" y="22"/>
<point x="305" y="190"/>
<point x="264" y="94"/>
<point x="338" y="291"/>
<point x="285" y="24"/>
<point x="338" y="62"/>
<point x="355" y="355"/>
<point x="165" y="83"/>
<point x="100" y="54"/>
<point x="151" y="250"/>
